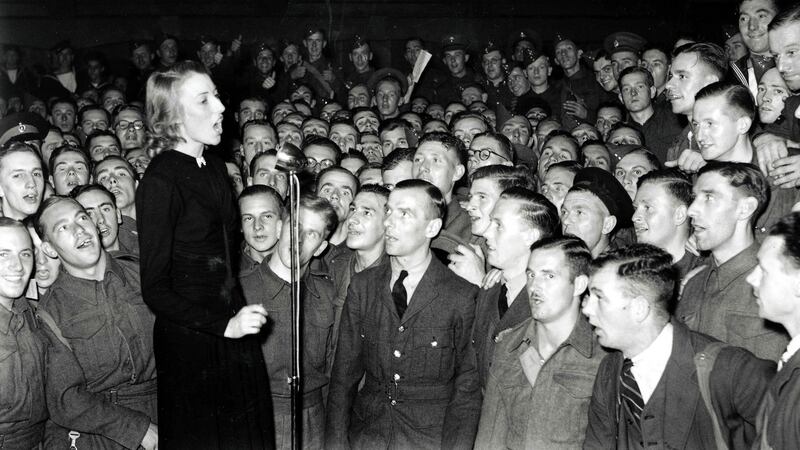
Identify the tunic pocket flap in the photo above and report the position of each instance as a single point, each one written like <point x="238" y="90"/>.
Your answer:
<point x="745" y="325"/>
<point x="84" y="325"/>
<point x="579" y="385"/>
<point x="433" y="338"/>
<point x="7" y="349"/>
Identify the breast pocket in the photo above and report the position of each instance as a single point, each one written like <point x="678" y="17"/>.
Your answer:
<point x="434" y="353"/>
<point x="754" y="334"/>
<point x="93" y="344"/>
<point x="569" y="410"/>
<point x="319" y="332"/>
<point x="11" y="381"/>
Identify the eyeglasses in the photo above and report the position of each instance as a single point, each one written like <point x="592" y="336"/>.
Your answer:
<point x="126" y="125"/>
<point x="484" y="153"/>
<point x="324" y="164"/>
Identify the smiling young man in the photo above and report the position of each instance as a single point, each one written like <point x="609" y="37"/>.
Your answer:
<point x="97" y="303"/>
<point x="754" y="17"/>
<point x="406" y="326"/>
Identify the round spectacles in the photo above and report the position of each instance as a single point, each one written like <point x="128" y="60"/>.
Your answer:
<point x="126" y="125"/>
<point x="484" y="153"/>
<point x="324" y="164"/>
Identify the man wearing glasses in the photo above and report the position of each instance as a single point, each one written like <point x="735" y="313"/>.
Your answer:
<point x="489" y="149"/>
<point x="321" y="153"/>
<point x="90" y="119"/>
<point x="129" y="126"/>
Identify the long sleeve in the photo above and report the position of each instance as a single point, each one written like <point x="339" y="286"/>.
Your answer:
<point x="463" y="411"/>
<point x="158" y="209"/>
<point x="72" y="406"/>
<point x="348" y="368"/>
<point x="493" y="424"/>
<point x="601" y="430"/>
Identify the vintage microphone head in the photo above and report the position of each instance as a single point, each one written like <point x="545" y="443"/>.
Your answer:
<point x="290" y="158"/>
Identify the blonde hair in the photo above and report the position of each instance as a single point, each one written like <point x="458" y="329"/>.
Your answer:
<point x="163" y="108"/>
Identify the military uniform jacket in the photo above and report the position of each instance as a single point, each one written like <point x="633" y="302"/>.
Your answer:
<point x="40" y="377"/>
<point x="779" y="418"/>
<point x="675" y="416"/>
<point x="488" y="324"/>
<point x="421" y="387"/>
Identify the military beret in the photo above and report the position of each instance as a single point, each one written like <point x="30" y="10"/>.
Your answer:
<point x="490" y="47"/>
<point x="61" y="46"/>
<point x="23" y="126"/>
<point x="561" y="37"/>
<point x="163" y="37"/>
<point x="623" y="41"/>
<point x="388" y="72"/>
<point x="529" y="55"/>
<point x="138" y="43"/>
<point x="262" y="46"/>
<point x="526" y="35"/>
<point x="312" y="30"/>
<point x="454" y="42"/>
<point x="358" y="42"/>
<point x="605" y="187"/>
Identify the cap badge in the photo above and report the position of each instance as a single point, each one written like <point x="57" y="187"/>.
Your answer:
<point x="21" y="127"/>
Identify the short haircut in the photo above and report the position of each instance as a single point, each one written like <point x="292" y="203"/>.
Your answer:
<point x="535" y="210"/>
<point x="450" y="142"/>
<point x="7" y="222"/>
<point x="675" y="182"/>
<point x="711" y="55"/>
<point x="338" y="169"/>
<point x="398" y="124"/>
<point x="570" y="166"/>
<point x="127" y="107"/>
<point x="120" y="159"/>
<point x="746" y="178"/>
<point x="260" y="123"/>
<point x="576" y="148"/>
<point x="375" y="189"/>
<point x="93" y="107"/>
<point x="354" y="155"/>
<point x="322" y="207"/>
<point x="648" y="77"/>
<point x="264" y="154"/>
<point x="575" y="251"/>
<point x="787" y="17"/>
<point x="18" y="147"/>
<point x="369" y="166"/>
<point x="47" y="203"/>
<point x="502" y="141"/>
<point x="66" y="148"/>
<point x="595" y="143"/>
<point x="436" y="208"/>
<point x="627" y="126"/>
<point x="78" y="190"/>
<point x="63" y="101"/>
<point x="100" y="133"/>
<point x="737" y="97"/>
<point x="506" y="177"/>
<point x="651" y="158"/>
<point x="646" y="271"/>
<point x="398" y="155"/>
<point x="461" y="115"/>
<point x="260" y="189"/>
<point x="788" y="229"/>
<point x="323" y="141"/>
<point x="612" y="105"/>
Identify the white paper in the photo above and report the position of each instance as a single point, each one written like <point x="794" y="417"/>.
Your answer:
<point x="419" y="65"/>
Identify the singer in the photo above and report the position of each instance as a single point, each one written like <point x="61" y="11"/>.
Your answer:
<point x="213" y="391"/>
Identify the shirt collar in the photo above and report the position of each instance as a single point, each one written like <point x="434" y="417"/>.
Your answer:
<point x="5" y="319"/>
<point x="581" y="338"/>
<point x="658" y="350"/>
<point x="112" y="268"/>
<point x="516" y="284"/>
<point x="740" y="264"/>
<point x="415" y="272"/>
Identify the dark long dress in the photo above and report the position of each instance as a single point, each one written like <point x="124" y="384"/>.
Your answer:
<point x="213" y="391"/>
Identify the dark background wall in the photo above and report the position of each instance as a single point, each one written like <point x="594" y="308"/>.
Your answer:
<point x="108" y="25"/>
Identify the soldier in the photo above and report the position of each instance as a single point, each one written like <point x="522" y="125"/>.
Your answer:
<point x="268" y="284"/>
<point x="754" y="16"/>
<point x="537" y="361"/>
<point x="406" y="326"/>
<point x="716" y="301"/>
<point x="102" y="209"/>
<point x="455" y="57"/>
<point x="97" y="303"/>
<point x="41" y="378"/>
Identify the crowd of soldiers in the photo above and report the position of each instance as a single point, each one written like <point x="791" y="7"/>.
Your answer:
<point x="564" y="248"/>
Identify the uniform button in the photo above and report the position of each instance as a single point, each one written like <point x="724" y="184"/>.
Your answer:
<point x="401" y="329"/>
<point x="396" y="353"/>
<point x="394" y="402"/>
<point x="434" y="344"/>
<point x="396" y="376"/>
<point x="496" y="339"/>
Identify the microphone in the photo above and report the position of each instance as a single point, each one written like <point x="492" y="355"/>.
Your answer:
<point x="290" y="158"/>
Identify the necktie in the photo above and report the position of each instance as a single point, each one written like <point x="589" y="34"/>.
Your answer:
<point x="629" y="392"/>
<point x="399" y="294"/>
<point x="502" y="301"/>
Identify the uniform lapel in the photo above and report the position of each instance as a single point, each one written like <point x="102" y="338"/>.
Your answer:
<point x="427" y="289"/>
<point x="680" y="383"/>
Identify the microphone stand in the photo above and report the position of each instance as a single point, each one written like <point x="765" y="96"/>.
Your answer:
<point x="290" y="159"/>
